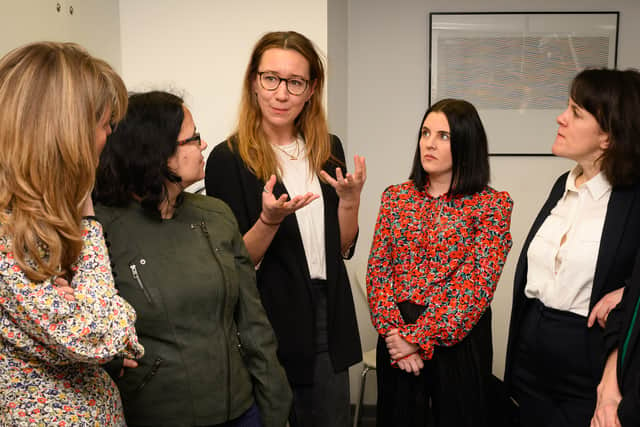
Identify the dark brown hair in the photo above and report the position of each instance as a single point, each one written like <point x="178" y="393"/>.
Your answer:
<point x="613" y="98"/>
<point x="469" y="152"/>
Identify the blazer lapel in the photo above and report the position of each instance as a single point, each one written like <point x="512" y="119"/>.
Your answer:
<point x="521" y="271"/>
<point x="615" y="221"/>
<point x="330" y="219"/>
<point x="290" y="226"/>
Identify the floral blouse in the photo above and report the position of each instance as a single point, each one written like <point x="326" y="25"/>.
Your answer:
<point x="445" y="253"/>
<point x="51" y="349"/>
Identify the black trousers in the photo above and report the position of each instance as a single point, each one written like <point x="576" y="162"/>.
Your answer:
<point x="552" y="377"/>
<point x="326" y="402"/>
<point x="452" y="390"/>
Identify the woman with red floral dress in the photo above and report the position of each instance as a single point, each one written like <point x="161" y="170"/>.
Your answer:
<point x="440" y="243"/>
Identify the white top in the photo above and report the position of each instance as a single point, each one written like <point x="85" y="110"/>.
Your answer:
<point x="299" y="180"/>
<point x="563" y="254"/>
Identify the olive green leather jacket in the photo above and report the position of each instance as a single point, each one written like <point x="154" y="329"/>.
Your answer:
<point x="210" y="350"/>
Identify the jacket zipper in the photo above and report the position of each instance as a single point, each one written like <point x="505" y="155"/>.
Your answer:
<point x="134" y="272"/>
<point x="151" y="374"/>
<point x="214" y="251"/>
<point x="240" y="349"/>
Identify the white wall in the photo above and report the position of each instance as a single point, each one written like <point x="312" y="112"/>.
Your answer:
<point x="387" y="95"/>
<point x="200" y="48"/>
<point x="337" y="101"/>
<point x="95" y="24"/>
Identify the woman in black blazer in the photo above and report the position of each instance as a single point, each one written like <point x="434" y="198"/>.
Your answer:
<point x="619" y="389"/>
<point x="297" y="242"/>
<point x="578" y="254"/>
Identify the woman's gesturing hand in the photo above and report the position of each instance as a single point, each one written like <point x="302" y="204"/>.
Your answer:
<point x="348" y="187"/>
<point x="275" y="210"/>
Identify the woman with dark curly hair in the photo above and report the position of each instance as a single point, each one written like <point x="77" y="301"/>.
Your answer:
<point x="181" y="262"/>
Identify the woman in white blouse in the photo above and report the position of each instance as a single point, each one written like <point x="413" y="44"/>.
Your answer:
<point x="578" y="254"/>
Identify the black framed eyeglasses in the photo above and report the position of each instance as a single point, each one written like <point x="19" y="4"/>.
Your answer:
<point x="271" y="81"/>
<point x="195" y="139"/>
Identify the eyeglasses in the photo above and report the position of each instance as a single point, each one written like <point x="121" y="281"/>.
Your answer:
<point x="195" y="139"/>
<point x="271" y="81"/>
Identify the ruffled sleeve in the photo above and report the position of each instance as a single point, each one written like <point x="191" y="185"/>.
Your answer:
<point x="382" y="305"/>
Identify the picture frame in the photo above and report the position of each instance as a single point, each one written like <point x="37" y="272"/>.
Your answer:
<point x="516" y="68"/>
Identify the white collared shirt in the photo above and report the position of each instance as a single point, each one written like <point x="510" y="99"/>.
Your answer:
<point x="560" y="274"/>
<point x="299" y="180"/>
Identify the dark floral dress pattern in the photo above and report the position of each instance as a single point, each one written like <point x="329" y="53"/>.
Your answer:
<point x="445" y="253"/>
<point x="51" y="349"/>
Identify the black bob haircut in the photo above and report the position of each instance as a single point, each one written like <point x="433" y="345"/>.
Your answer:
<point x="134" y="162"/>
<point x="469" y="151"/>
<point x="613" y="98"/>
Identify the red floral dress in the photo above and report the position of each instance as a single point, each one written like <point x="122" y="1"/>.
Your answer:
<point x="445" y="253"/>
<point x="51" y="349"/>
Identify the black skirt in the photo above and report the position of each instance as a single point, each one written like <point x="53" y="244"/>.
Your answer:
<point x="453" y="389"/>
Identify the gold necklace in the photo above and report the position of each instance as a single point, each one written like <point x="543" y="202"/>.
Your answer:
<point x="289" y="155"/>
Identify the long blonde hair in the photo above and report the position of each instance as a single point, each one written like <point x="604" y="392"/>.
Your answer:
<point x="249" y="136"/>
<point x="52" y="96"/>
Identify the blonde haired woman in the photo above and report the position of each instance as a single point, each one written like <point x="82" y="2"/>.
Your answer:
<point x="271" y="172"/>
<point x="60" y="316"/>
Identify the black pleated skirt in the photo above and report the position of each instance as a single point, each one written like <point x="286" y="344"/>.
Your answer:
<point x="454" y="389"/>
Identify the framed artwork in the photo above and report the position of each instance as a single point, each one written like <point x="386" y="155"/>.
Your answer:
<point x="516" y="68"/>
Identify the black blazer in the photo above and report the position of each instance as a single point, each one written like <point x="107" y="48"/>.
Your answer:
<point x="618" y="323"/>
<point x="283" y="277"/>
<point x="619" y="245"/>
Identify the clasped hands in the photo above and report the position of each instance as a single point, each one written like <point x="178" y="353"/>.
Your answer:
<point x="403" y="352"/>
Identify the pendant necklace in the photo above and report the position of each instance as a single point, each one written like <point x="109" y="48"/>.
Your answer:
<point x="286" y="153"/>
